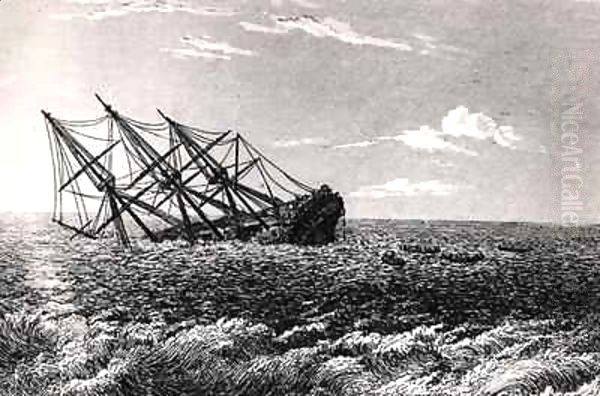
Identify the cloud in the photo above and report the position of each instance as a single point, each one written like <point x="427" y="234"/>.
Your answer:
<point x="429" y="42"/>
<point x="300" y="3"/>
<point x="204" y="47"/>
<point x="458" y="125"/>
<point x="364" y="143"/>
<point x="102" y="9"/>
<point x="425" y="37"/>
<point x="327" y="27"/>
<point x="403" y="187"/>
<point x="461" y="123"/>
<point x="183" y="53"/>
<point x="301" y="142"/>
<point x="432" y="46"/>
<point x="427" y="139"/>
<point x="203" y="43"/>
<point x="252" y="27"/>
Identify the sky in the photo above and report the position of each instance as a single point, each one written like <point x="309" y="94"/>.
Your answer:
<point x="411" y="109"/>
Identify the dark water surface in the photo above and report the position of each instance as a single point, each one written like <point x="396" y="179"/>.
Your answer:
<point x="526" y="269"/>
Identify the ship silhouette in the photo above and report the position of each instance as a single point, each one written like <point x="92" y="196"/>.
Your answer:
<point x="175" y="181"/>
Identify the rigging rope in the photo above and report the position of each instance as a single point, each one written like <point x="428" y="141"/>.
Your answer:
<point x="73" y="131"/>
<point x="130" y="175"/>
<point x="161" y="125"/>
<point x="83" y="123"/>
<point x="101" y="211"/>
<point x="54" y="170"/>
<point x="90" y="196"/>
<point x="150" y="132"/>
<point x="198" y="137"/>
<point x="112" y="126"/>
<point x="226" y="155"/>
<point x="264" y="168"/>
<point x="132" y="153"/>
<point x="247" y="146"/>
<point x="297" y="182"/>
<point x="265" y="182"/>
<point x="139" y="153"/>
<point x="61" y="170"/>
<point x="199" y="130"/>
<point x="69" y="167"/>
<point x="108" y="164"/>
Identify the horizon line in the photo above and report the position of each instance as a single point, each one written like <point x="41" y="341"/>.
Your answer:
<point x="403" y="219"/>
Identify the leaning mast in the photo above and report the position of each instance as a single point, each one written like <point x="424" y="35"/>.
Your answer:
<point x="212" y="198"/>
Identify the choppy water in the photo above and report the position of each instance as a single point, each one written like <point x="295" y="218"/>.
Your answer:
<point x="339" y="310"/>
<point x="42" y="266"/>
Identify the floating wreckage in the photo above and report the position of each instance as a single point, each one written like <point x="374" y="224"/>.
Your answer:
<point x="118" y="176"/>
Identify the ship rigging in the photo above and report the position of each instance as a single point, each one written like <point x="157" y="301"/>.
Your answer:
<point x="168" y="180"/>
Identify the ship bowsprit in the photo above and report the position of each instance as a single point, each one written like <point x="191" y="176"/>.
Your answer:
<point x="123" y="178"/>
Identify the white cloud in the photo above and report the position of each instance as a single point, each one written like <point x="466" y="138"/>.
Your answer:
<point x="432" y="46"/>
<point x="424" y="37"/>
<point x="458" y="124"/>
<point x="505" y="136"/>
<point x="329" y="27"/>
<point x="427" y="41"/>
<point x="253" y="27"/>
<point x="102" y="9"/>
<point x="204" y="43"/>
<point x="204" y="47"/>
<point x="301" y="142"/>
<point x="427" y="139"/>
<point x="183" y="53"/>
<point x="300" y="3"/>
<point x="365" y="143"/>
<point x="403" y="187"/>
<point x="326" y="28"/>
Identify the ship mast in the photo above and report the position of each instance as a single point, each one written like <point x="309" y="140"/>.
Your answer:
<point x="102" y="179"/>
<point x="209" y="194"/>
<point x="215" y="172"/>
<point x="166" y="175"/>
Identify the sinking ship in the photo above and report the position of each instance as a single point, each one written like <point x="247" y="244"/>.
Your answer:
<point x="118" y="177"/>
